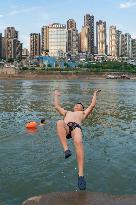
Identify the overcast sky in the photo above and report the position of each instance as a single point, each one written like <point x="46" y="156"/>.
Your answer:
<point x="28" y="16"/>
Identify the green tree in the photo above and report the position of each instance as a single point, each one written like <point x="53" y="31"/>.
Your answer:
<point x="10" y="60"/>
<point x="25" y="68"/>
<point x="49" y="65"/>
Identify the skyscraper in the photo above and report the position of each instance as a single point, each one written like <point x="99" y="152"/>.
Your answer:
<point x="3" y="48"/>
<point x="89" y="22"/>
<point x="126" y="45"/>
<point x="72" y="37"/>
<point x="19" y="48"/>
<point x="84" y="38"/>
<point x="128" y="40"/>
<point x="79" y="42"/>
<point x="11" y="33"/>
<point x="45" y="40"/>
<point x="57" y="40"/>
<point x="35" y="45"/>
<point x="101" y="38"/>
<point x="118" y="42"/>
<point x="123" y="46"/>
<point x="113" y="42"/>
<point x="133" y="42"/>
<point x="54" y="40"/>
<point x="13" y="47"/>
<point x="0" y="45"/>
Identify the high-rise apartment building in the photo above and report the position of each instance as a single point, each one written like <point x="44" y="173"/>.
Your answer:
<point x="118" y="42"/>
<point x="101" y="38"/>
<point x="19" y="48"/>
<point x="13" y="47"/>
<point x="79" y="42"/>
<point x="45" y="40"/>
<point x="84" y="38"/>
<point x="133" y="46"/>
<point x="72" y="41"/>
<point x="89" y="22"/>
<point x="0" y="45"/>
<point x="25" y="52"/>
<point x="113" y="42"/>
<point x="72" y="37"/>
<point x="54" y="40"/>
<point x="57" y="40"/>
<point x="11" y="33"/>
<point x="35" y="45"/>
<point x="123" y="46"/>
<point x="126" y="45"/>
<point x="3" y="48"/>
<point x="128" y="40"/>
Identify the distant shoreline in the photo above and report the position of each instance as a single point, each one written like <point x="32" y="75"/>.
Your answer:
<point x="50" y="77"/>
<point x="25" y="75"/>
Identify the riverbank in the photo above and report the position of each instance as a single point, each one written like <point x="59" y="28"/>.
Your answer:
<point x="55" y="75"/>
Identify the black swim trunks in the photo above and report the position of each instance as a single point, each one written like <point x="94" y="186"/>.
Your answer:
<point x="72" y="126"/>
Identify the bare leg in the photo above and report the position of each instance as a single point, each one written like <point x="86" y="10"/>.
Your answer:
<point x="77" y="137"/>
<point x="61" y="130"/>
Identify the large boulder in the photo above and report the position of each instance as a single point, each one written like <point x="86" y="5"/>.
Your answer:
<point x="80" y="198"/>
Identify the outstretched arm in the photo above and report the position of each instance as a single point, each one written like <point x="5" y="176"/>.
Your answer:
<point x="92" y="105"/>
<point x="57" y="103"/>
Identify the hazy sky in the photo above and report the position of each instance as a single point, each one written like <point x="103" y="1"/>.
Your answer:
<point x="29" y="16"/>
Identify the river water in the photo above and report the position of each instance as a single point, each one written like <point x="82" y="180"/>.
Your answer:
<point x="32" y="163"/>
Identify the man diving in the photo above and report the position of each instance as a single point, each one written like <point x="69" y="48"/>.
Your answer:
<point x="70" y="127"/>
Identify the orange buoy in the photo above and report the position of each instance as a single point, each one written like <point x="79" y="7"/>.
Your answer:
<point x="31" y="124"/>
<point x="32" y="130"/>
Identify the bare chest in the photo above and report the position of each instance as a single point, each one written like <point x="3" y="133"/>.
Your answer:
<point x="74" y="116"/>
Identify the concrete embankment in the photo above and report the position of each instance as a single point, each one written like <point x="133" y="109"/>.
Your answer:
<point x="80" y="198"/>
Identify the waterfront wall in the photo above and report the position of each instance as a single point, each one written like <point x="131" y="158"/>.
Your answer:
<point x="80" y="198"/>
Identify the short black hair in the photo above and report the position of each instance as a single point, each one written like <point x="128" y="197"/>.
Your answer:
<point x="81" y="104"/>
<point x="42" y="120"/>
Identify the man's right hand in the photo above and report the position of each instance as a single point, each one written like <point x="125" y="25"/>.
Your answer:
<point x="97" y="91"/>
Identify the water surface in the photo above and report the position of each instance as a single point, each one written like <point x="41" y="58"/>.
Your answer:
<point x="32" y="163"/>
